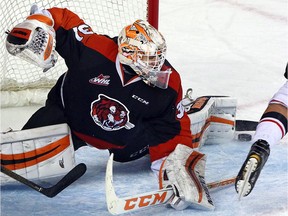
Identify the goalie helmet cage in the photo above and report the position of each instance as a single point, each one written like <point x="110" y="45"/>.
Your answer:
<point x="25" y="84"/>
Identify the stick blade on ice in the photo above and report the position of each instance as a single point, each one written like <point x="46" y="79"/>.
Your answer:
<point x="118" y="205"/>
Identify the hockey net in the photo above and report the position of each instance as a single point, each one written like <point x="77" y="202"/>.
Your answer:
<point x="25" y="84"/>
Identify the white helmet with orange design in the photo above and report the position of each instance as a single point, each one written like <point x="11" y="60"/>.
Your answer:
<point x="143" y="48"/>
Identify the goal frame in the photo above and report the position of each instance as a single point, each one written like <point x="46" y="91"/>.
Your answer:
<point x="153" y="13"/>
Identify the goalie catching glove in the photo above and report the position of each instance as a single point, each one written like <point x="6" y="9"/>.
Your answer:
<point x="183" y="170"/>
<point x="34" y="39"/>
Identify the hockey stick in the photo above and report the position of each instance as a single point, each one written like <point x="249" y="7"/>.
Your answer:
<point x="244" y="129"/>
<point x="52" y="191"/>
<point x="245" y="125"/>
<point x="118" y="205"/>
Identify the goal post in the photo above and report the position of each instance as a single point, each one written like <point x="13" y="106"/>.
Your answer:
<point x="153" y="13"/>
<point x="24" y="84"/>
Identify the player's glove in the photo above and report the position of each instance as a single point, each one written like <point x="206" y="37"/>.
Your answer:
<point x="252" y="167"/>
<point x="183" y="170"/>
<point x="34" y="39"/>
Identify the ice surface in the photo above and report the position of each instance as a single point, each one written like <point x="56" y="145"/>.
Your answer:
<point x="220" y="47"/>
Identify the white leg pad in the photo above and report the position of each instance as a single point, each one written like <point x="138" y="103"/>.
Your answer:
<point x="212" y="119"/>
<point x="38" y="153"/>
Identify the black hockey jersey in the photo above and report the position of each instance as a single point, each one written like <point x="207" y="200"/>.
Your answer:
<point x="107" y="105"/>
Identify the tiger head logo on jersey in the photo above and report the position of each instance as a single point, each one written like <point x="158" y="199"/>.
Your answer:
<point x="110" y="114"/>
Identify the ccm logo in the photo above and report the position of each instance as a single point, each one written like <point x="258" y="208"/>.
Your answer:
<point x="140" y="99"/>
<point x="143" y="201"/>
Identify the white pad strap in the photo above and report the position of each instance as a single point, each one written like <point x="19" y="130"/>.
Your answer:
<point x="38" y="153"/>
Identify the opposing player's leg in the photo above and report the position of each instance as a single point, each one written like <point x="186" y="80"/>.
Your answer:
<point x="252" y="167"/>
<point x="270" y="130"/>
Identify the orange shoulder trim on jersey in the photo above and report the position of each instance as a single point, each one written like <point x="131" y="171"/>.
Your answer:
<point x="67" y="20"/>
<point x="102" y="44"/>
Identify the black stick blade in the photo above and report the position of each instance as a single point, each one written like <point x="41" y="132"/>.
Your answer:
<point x="67" y="180"/>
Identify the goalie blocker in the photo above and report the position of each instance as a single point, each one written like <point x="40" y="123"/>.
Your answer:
<point x="38" y="153"/>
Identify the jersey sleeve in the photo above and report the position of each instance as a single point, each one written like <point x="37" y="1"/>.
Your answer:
<point x="65" y="23"/>
<point x="173" y="125"/>
<point x="75" y="38"/>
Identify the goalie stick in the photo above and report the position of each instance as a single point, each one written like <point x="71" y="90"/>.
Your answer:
<point x="118" y="205"/>
<point x="52" y="191"/>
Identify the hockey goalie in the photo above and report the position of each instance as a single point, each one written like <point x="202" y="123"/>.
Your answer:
<point x="119" y="94"/>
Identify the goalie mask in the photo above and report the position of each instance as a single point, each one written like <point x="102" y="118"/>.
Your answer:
<point x="143" y="48"/>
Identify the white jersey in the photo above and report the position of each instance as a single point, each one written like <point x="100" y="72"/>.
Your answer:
<point x="281" y="96"/>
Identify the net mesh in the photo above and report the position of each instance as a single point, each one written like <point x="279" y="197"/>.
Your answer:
<point x="105" y="17"/>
